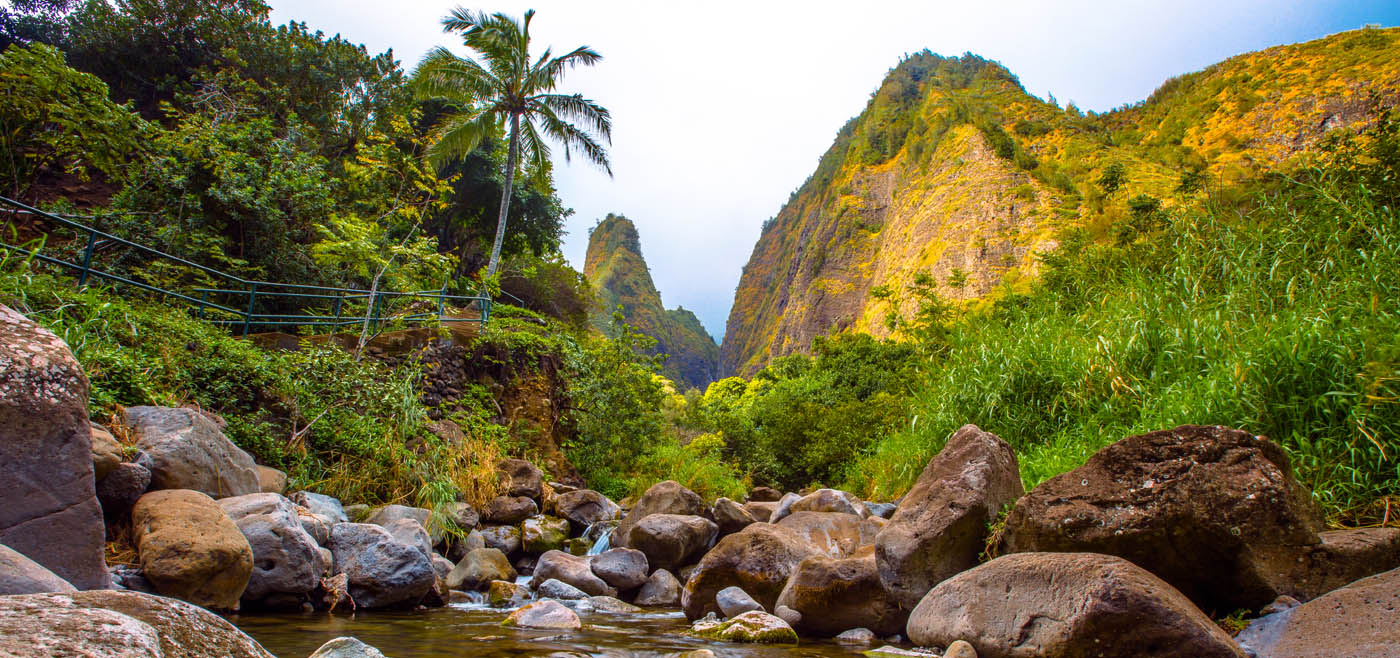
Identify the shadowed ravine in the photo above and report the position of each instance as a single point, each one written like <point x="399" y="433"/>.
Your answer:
<point x="460" y="629"/>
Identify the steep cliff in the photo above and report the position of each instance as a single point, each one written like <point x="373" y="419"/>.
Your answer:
<point x="619" y="274"/>
<point x="953" y="170"/>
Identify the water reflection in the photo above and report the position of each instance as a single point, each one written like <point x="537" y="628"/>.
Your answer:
<point x="473" y="630"/>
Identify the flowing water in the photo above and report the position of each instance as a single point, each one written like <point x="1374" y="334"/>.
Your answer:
<point x="475" y="630"/>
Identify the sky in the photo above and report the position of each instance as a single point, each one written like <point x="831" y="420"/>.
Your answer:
<point x="721" y="109"/>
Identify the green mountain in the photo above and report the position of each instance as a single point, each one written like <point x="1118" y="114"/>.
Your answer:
<point x="620" y="276"/>
<point x="955" y="178"/>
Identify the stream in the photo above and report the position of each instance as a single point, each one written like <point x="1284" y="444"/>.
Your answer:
<point x="470" y="629"/>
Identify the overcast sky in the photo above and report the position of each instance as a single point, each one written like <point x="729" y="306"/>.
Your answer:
<point x="721" y="109"/>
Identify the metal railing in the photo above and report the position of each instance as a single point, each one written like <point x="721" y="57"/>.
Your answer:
<point x="236" y="304"/>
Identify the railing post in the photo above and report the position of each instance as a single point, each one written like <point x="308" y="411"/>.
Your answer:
<point x="339" y="298"/>
<point x="248" y="315"/>
<point x="375" y="311"/>
<point x="87" y="258"/>
<point x="203" y="300"/>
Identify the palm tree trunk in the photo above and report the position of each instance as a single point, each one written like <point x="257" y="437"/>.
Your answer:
<point x="505" y="196"/>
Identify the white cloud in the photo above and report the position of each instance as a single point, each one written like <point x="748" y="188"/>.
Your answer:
<point x="721" y="109"/>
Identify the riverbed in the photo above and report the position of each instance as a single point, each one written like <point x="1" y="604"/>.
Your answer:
<point x="475" y="630"/>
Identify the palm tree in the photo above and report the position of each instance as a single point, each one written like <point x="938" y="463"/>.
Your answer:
<point x="505" y="87"/>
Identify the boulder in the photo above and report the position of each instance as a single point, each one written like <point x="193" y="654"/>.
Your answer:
<point x="357" y="512"/>
<point x="103" y="624"/>
<point x="881" y="510"/>
<point x="960" y="649"/>
<point x="319" y="527"/>
<point x="764" y="495"/>
<point x="479" y="568"/>
<point x="190" y="549"/>
<point x="792" y="617"/>
<point x="1342" y="557"/>
<point x="831" y="533"/>
<point x="762" y="512"/>
<point x="784" y="507"/>
<point x="106" y="451"/>
<point x="622" y="568"/>
<point x="671" y="540"/>
<point x="733" y="602"/>
<point x="753" y="626"/>
<point x="834" y="595"/>
<point x="509" y="510"/>
<point x="506" y="594"/>
<point x="287" y="561"/>
<point x="346" y="647"/>
<point x="1214" y="511"/>
<point x="941" y="525"/>
<point x="382" y="516"/>
<point x="1356" y="620"/>
<point x="829" y="500"/>
<point x="731" y="517"/>
<point x="856" y="636"/>
<point x="540" y="534"/>
<point x="50" y="511"/>
<point x="461" y="515"/>
<point x="584" y="507"/>
<point x="1065" y="604"/>
<point x="186" y="450"/>
<point x="408" y="531"/>
<point x="668" y="497"/>
<point x="121" y="489"/>
<point x="504" y="538"/>
<point x="549" y="614"/>
<point x="21" y="575"/>
<point x="520" y="478"/>
<point x="578" y="546"/>
<point x="271" y="480"/>
<point x="661" y="590"/>
<point x="610" y="605"/>
<point x="571" y="569"/>
<point x="759" y="559"/>
<point x="321" y="504"/>
<point x="381" y="572"/>
<point x="556" y="589"/>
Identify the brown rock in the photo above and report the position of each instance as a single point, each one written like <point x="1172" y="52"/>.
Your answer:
<point x="509" y="510"/>
<point x="570" y="570"/>
<point x="830" y="500"/>
<point x="271" y="480"/>
<point x="479" y="568"/>
<point x="622" y="568"/>
<point x="1211" y="510"/>
<point x="832" y="534"/>
<point x="940" y="527"/>
<point x="548" y="614"/>
<point x="762" y="512"/>
<point x="50" y="511"/>
<point x="671" y="540"/>
<point x="835" y="595"/>
<point x="667" y="497"/>
<point x="106" y="452"/>
<point x="1357" y="620"/>
<point x="116" y="623"/>
<point x="661" y="590"/>
<point x="764" y="495"/>
<point x="1343" y="557"/>
<point x="21" y="575"/>
<point x="584" y="507"/>
<point x="758" y="559"/>
<point x="521" y="478"/>
<point x="190" y="549"/>
<point x="186" y="450"/>
<point x="1065" y="604"/>
<point x="731" y="517"/>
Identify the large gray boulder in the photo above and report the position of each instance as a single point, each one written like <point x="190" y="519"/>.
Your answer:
<point x="758" y="559"/>
<point x="571" y="569"/>
<point x="672" y="540"/>
<point x="547" y="614"/>
<point x="1065" y="604"/>
<point x="733" y="602"/>
<point x="1357" y="620"/>
<point x="116" y="624"/>
<point x="1214" y="511"/>
<point x="504" y="538"/>
<point x="829" y="500"/>
<point x="382" y="571"/>
<point x="190" y="549"/>
<point x="327" y="506"/>
<point x="941" y="525"/>
<point x="623" y="568"/>
<point x="408" y="531"/>
<point x="668" y="497"/>
<point x="50" y="511"/>
<point x="287" y="561"/>
<point x="661" y="590"/>
<point x="186" y="450"/>
<point x="21" y="575"/>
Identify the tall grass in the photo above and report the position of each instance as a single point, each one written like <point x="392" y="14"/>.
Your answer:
<point x="1279" y="318"/>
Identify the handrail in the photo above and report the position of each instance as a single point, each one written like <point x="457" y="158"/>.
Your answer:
<point x="247" y="317"/>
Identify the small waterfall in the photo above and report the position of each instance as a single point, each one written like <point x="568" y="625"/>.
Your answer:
<point x="601" y="534"/>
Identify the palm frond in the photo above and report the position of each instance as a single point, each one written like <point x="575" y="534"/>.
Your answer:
<point x="442" y="74"/>
<point x="534" y="151"/>
<point x="546" y="75"/>
<point x="576" y="109"/>
<point x="461" y="133"/>
<point x="574" y="139"/>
